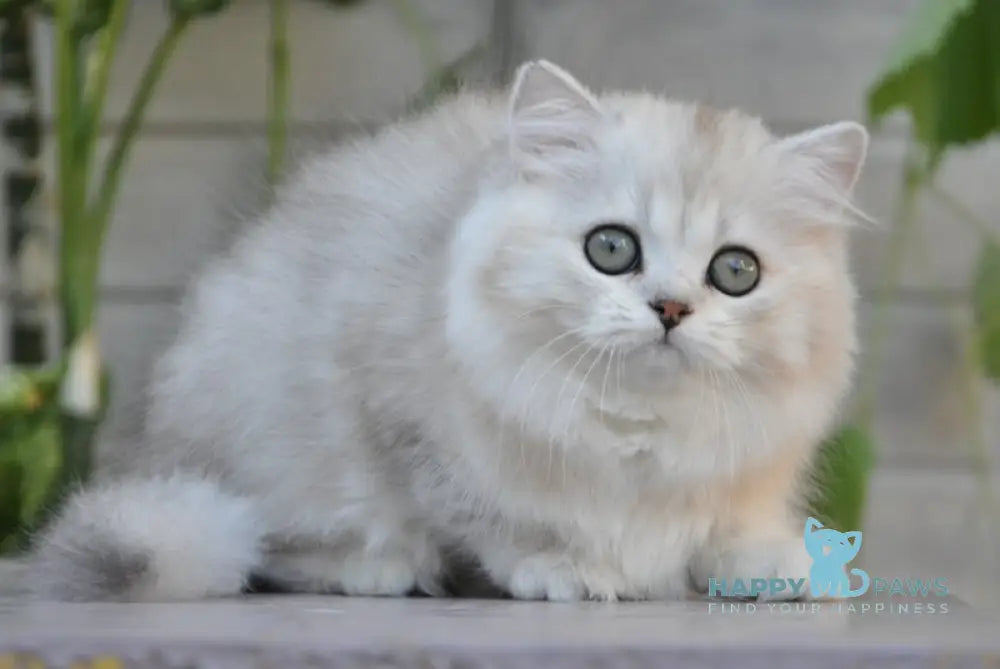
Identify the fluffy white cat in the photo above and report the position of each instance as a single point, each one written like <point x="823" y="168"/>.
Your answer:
<point x="587" y="344"/>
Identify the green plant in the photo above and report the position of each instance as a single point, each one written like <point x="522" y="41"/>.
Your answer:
<point x="277" y="99"/>
<point x="945" y="72"/>
<point x="50" y="414"/>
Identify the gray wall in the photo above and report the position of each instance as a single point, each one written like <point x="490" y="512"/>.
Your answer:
<point x="794" y="62"/>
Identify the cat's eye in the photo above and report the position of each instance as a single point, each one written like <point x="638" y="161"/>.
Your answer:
<point x="612" y="249"/>
<point x="734" y="270"/>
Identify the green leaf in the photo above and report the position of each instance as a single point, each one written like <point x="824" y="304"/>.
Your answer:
<point x="986" y="308"/>
<point x="945" y="70"/>
<point x="193" y="8"/>
<point x="841" y="478"/>
<point x="41" y="456"/>
<point x="23" y="391"/>
<point x="30" y="450"/>
<point x="11" y="475"/>
<point x="30" y="468"/>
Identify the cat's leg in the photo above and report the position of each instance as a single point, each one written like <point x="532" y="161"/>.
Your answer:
<point x="756" y="536"/>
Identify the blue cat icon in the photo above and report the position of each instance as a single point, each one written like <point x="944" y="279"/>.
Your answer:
<point x="831" y="551"/>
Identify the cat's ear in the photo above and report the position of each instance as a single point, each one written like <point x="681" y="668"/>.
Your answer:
<point x="820" y="168"/>
<point x="856" y="536"/>
<point x="812" y="525"/>
<point x="552" y="121"/>
<point x="835" y="152"/>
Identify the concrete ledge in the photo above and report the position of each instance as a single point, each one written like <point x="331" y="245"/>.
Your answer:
<point x="354" y="632"/>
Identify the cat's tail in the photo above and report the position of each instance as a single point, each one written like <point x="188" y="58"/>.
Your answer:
<point x="148" y="539"/>
<point x="865" y="582"/>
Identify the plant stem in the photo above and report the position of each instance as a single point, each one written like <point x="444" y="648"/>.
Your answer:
<point x="100" y="211"/>
<point x="277" y="101"/>
<point x="902" y="220"/>
<point x="76" y="264"/>
<point x="99" y="63"/>
<point x="71" y="178"/>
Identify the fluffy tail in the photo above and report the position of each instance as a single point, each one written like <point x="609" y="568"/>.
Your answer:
<point x="153" y="539"/>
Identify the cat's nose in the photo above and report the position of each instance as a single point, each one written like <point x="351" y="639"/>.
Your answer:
<point x="671" y="312"/>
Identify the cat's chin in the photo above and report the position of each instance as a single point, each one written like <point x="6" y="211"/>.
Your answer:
<point x="655" y="367"/>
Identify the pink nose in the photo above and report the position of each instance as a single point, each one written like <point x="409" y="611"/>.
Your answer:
<point x="670" y="312"/>
<point x="671" y="309"/>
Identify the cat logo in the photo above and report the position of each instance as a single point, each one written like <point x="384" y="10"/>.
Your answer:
<point x="831" y="551"/>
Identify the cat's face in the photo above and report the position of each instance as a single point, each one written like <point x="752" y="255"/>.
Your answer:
<point x="638" y="248"/>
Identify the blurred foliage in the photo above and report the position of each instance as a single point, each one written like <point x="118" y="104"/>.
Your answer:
<point x="986" y="306"/>
<point x="944" y="71"/>
<point x="30" y="450"/>
<point x="192" y="8"/>
<point x="841" y="473"/>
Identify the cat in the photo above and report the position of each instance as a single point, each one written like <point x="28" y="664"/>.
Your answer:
<point x="584" y="344"/>
<point x="831" y="551"/>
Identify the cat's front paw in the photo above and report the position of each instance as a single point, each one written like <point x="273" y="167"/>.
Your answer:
<point x="556" y="578"/>
<point x="779" y="570"/>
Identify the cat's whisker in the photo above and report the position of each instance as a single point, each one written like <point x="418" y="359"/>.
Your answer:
<point x="572" y="406"/>
<point x="537" y="310"/>
<point x="525" y="408"/>
<point x="525" y="404"/>
<point x="400" y="363"/>
<point x="558" y="404"/>
<point x="692" y="425"/>
<point x="604" y="383"/>
<point x="755" y="415"/>
<point x="733" y="438"/>
<point x="731" y="378"/>
<point x="727" y="426"/>
<point x="521" y="369"/>
<point x="618" y="371"/>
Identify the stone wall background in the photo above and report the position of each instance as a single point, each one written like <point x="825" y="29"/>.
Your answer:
<point x="198" y="165"/>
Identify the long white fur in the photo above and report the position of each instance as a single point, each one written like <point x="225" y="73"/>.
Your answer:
<point x="409" y="360"/>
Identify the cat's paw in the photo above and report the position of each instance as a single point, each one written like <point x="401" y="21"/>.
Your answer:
<point x="556" y="578"/>
<point x="320" y="571"/>
<point x="388" y="576"/>
<point x="783" y="561"/>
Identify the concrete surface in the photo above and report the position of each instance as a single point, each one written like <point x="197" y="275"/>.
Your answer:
<point x="358" y="632"/>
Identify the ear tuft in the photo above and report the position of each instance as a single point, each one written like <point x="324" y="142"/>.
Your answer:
<point x="552" y="120"/>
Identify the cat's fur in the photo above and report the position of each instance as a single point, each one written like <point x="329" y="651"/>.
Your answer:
<point x="410" y="360"/>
